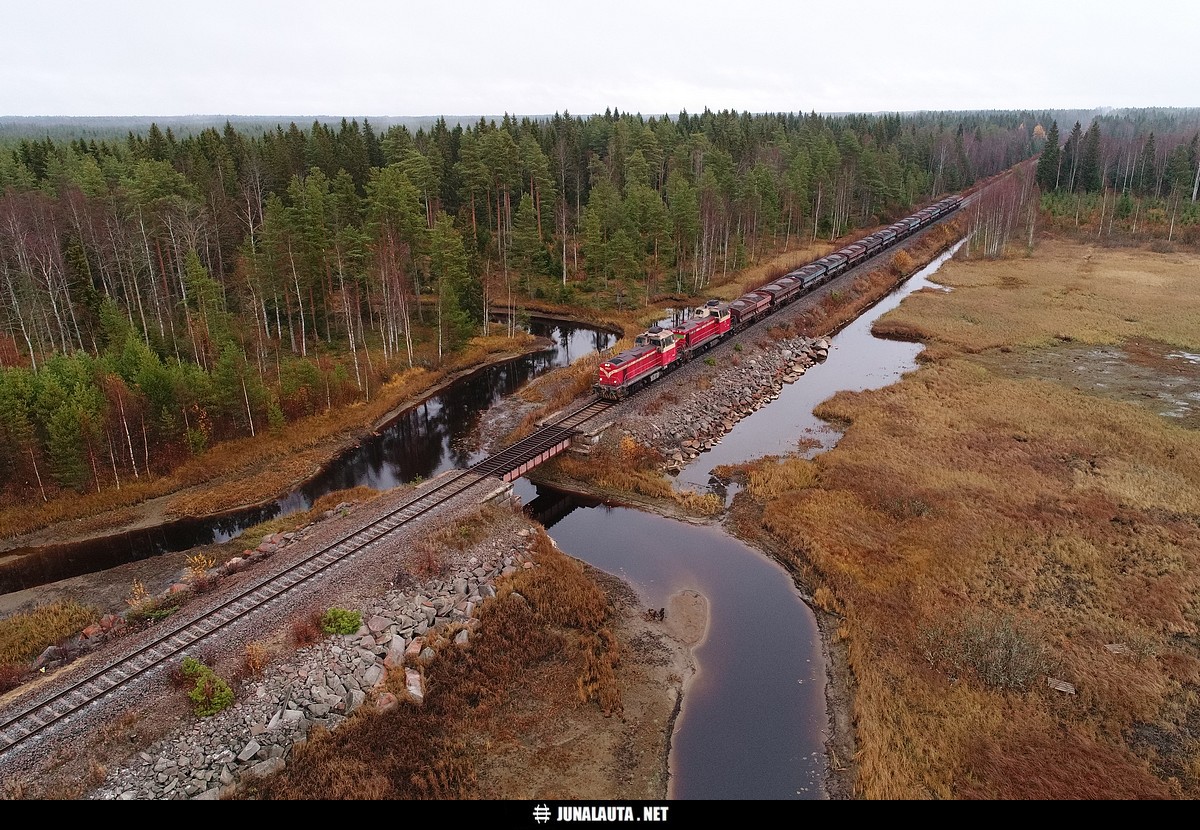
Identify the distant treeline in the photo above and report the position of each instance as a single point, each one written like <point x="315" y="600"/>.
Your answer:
<point x="163" y="290"/>
<point x="1138" y="170"/>
<point x="117" y="127"/>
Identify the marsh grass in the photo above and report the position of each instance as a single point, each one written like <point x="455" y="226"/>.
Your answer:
<point x="25" y="635"/>
<point x="629" y="467"/>
<point x="1091" y="295"/>
<point x="982" y="533"/>
<point x="252" y="536"/>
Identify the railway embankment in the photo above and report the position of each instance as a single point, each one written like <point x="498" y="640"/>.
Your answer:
<point x="321" y="685"/>
<point x="735" y="390"/>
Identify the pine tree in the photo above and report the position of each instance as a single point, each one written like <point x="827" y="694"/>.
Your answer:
<point x="448" y="269"/>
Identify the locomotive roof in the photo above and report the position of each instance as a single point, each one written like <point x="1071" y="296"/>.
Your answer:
<point x="628" y="354"/>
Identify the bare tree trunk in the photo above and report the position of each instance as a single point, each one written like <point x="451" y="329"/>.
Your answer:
<point x="349" y="323"/>
<point x="128" y="439"/>
<point x="249" y="414"/>
<point x="113" y="457"/>
<point x="20" y="318"/>
<point x="37" y="474"/>
<point x="145" y="447"/>
<point x="300" y="300"/>
<point x="95" y="467"/>
<point x="816" y="212"/>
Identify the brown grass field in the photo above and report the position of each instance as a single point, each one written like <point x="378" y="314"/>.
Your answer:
<point x="982" y="528"/>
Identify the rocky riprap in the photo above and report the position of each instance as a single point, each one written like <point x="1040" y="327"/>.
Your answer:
<point x="318" y="685"/>
<point x="682" y="430"/>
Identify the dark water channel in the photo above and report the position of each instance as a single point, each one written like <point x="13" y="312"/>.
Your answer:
<point x="424" y="441"/>
<point x="753" y="722"/>
<point x="858" y="360"/>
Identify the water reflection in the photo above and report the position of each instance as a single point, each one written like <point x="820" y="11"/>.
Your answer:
<point x="433" y="437"/>
<point x="754" y="721"/>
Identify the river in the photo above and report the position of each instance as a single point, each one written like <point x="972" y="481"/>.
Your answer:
<point x="754" y="722"/>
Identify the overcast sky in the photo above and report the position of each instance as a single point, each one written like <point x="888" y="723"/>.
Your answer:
<point x="532" y="57"/>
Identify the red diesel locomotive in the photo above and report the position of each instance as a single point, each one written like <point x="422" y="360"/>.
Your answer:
<point x="658" y="350"/>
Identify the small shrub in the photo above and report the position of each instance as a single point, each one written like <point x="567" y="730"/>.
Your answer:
<point x="1002" y="652"/>
<point x="138" y="595"/>
<point x="151" y="612"/>
<point x="710" y="361"/>
<point x="307" y="631"/>
<point x="203" y="584"/>
<point x="257" y="657"/>
<point x="340" y="621"/>
<point x="11" y="676"/>
<point x="177" y="677"/>
<point x="95" y="774"/>
<point x="210" y="694"/>
<point x="198" y="565"/>
<point x="737" y="347"/>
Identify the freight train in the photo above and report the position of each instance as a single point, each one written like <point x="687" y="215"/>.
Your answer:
<point x="659" y="350"/>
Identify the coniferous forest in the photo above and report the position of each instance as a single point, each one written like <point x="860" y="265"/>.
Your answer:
<point x="163" y="292"/>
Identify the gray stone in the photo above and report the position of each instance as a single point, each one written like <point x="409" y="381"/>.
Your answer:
<point x="267" y="767"/>
<point x="249" y="751"/>
<point x="373" y="676"/>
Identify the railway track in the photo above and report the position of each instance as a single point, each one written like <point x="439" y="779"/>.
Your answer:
<point x="29" y="721"/>
<point x="33" y="720"/>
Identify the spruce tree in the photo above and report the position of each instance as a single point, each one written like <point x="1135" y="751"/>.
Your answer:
<point x="1047" y="166"/>
<point x="1145" y="180"/>
<point x="1070" y="156"/>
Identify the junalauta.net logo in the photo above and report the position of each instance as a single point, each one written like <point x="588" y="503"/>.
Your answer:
<point x="608" y="812"/>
